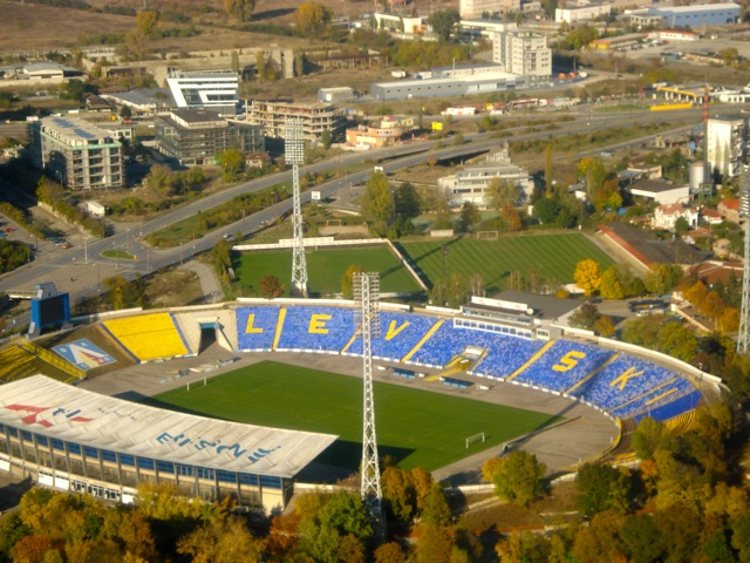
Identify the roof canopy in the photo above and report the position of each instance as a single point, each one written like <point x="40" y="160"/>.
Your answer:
<point x="57" y="410"/>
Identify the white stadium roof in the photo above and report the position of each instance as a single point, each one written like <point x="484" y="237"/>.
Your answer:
<point x="58" y="410"/>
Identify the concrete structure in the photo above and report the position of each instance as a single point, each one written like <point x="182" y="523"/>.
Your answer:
<point x="204" y="89"/>
<point x="76" y="153"/>
<point x="142" y="100"/>
<point x="665" y="216"/>
<point x="94" y="208"/>
<point x="38" y="73"/>
<point x="523" y="53"/>
<point x="196" y="136"/>
<point x="75" y="440"/>
<point x="315" y="117"/>
<point x="726" y="141"/>
<point x="685" y="16"/>
<point x="387" y="131"/>
<point x="470" y="184"/>
<point x="660" y="191"/>
<point x="580" y="14"/>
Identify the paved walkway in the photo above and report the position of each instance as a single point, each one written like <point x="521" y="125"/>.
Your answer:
<point x="210" y="286"/>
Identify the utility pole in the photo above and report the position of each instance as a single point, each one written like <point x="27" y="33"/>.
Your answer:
<point x="294" y="154"/>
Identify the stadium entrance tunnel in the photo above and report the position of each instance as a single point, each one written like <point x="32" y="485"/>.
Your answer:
<point x="208" y="335"/>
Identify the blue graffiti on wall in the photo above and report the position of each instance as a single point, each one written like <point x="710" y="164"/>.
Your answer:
<point x="201" y="444"/>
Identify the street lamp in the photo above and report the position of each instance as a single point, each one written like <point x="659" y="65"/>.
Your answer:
<point x="446" y="252"/>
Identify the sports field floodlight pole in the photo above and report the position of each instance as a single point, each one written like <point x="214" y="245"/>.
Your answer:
<point x="366" y="287"/>
<point x="294" y="154"/>
<point x="743" y="338"/>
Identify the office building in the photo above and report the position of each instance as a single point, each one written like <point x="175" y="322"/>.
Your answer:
<point x="316" y="118"/>
<point x="523" y="53"/>
<point x="204" y="89"/>
<point x="727" y="145"/>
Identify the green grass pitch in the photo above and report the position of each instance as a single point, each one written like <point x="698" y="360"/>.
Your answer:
<point x="416" y="427"/>
<point x="325" y="268"/>
<point x="551" y="255"/>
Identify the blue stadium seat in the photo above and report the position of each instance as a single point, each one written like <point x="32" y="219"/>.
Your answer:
<point x="655" y="398"/>
<point x="399" y="333"/>
<point x="621" y="381"/>
<point x="316" y="329"/>
<point x="256" y="327"/>
<point x="565" y="363"/>
<point x="669" y="410"/>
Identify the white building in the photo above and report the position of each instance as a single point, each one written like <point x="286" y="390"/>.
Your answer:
<point x="522" y="52"/>
<point x="660" y="191"/>
<point x="666" y="216"/>
<point x="580" y="14"/>
<point x="470" y="184"/>
<point x="727" y="144"/>
<point x="477" y="8"/>
<point x="686" y="16"/>
<point x="204" y="89"/>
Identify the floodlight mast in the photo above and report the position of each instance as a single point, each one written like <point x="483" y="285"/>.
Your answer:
<point x="743" y="338"/>
<point x="366" y="287"/>
<point x="294" y="154"/>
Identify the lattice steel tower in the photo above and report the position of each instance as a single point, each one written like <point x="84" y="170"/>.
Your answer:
<point x="294" y="154"/>
<point x="743" y="339"/>
<point x="367" y="318"/>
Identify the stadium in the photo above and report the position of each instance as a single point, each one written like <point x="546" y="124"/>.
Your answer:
<point x="92" y="437"/>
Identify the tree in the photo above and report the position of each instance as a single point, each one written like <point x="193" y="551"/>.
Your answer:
<point x="270" y="287"/>
<point x="326" y="139"/>
<point x="470" y="216"/>
<point x="126" y="112"/>
<point x="235" y="62"/>
<point x="434" y="544"/>
<point x="549" y="170"/>
<point x="547" y="210"/>
<point x="345" y="512"/>
<point x="442" y="23"/>
<point x="518" y="477"/>
<point x="261" y="65"/>
<point x="500" y="193"/>
<point x="406" y="202"/>
<point x="436" y="509"/>
<point x="610" y="287"/>
<point x="681" y="226"/>
<point x="232" y="163"/>
<point x="347" y="280"/>
<point x="604" y="326"/>
<point x="593" y="171"/>
<point x="662" y="278"/>
<point x="239" y="9"/>
<point x="311" y="18"/>
<point x="390" y="553"/>
<point x="587" y="276"/>
<point x="586" y="316"/>
<point x="74" y="90"/>
<point x="602" y="487"/>
<point x="146" y="22"/>
<point x="225" y="541"/>
<point x="677" y="340"/>
<point x="377" y="202"/>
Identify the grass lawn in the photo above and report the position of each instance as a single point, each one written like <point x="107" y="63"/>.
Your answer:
<point x="118" y="253"/>
<point x="551" y="255"/>
<point x="325" y="268"/>
<point x="417" y="428"/>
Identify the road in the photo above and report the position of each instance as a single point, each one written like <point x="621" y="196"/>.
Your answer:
<point x="80" y="269"/>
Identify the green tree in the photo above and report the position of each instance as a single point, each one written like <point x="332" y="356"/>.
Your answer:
<point x="549" y="168"/>
<point x="602" y="487"/>
<point x="377" y="204"/>
<point x="443" y="22"/>
<point x="681" y="226"/>
<point x="347" y="280"/>
<point x="436" y="510"/>
<point x="345" y="512"/>
<point x="239" y="9"/>
<point x="326" y="139"/>
<point x="677" y="340"/>
<point x="641" y="539"/>
<point x="311" y="18"/>
<point x="235" y="62"/>
<point x="547" y="210"/>
<point x="662" y="278"/>
<point x="470" y="216"/>
<point x="518" y="477"/>
<point x="610" y="287"/>
<point x="232" y="163"/>
<point x="261" y="65"/>
<point x="74" y="89"/>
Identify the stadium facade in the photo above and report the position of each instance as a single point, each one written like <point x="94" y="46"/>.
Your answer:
<point x="76" y="440"/>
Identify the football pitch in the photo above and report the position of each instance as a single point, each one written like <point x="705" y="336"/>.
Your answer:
<point x="417" y="428"/>
<point x="550" y="255"/>
<point x="326" y="266"/>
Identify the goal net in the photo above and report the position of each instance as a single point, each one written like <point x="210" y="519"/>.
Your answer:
<point x="474" y="438"/>
<point x="487" y="235"/>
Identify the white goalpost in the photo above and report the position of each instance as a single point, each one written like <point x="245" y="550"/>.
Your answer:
<point x="488" y="235"/>
<point x="474" y="438"/>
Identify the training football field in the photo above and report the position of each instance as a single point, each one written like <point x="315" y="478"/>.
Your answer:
<point x="549" y="255"/>
<point x="326" y="266"/>
<point x="417" y="428"/>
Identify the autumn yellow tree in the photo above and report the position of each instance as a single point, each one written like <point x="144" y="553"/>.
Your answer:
<point x="239" y="9"/>
<point x="587" y="276"/>
<point x="311" y="18"/>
